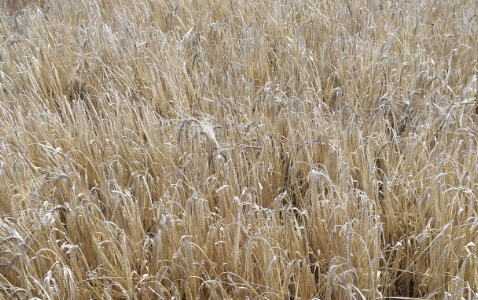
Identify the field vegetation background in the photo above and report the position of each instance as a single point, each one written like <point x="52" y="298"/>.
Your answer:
<point x="213" y="149"/>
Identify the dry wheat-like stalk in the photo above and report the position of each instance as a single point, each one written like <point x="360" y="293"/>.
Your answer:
<point x="212" y="149"/>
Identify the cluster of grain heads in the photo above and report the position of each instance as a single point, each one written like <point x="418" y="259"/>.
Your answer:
<point x="212" y="150"/>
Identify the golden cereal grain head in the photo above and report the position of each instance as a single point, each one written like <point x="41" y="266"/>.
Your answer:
<point x="330" y="277"/>
<point x="460" y="278"/>
<point x="249" y="266"/>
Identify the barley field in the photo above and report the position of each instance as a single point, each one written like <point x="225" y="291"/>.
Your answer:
<point x="238" y="149"/>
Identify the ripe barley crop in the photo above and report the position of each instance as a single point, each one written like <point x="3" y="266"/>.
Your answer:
<point x="238" y="149"/>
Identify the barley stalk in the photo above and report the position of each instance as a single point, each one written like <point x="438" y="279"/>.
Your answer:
<point x="230" y="149"/>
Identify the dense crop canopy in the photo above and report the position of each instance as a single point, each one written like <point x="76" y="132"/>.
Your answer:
<point x="206" y="149"/>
